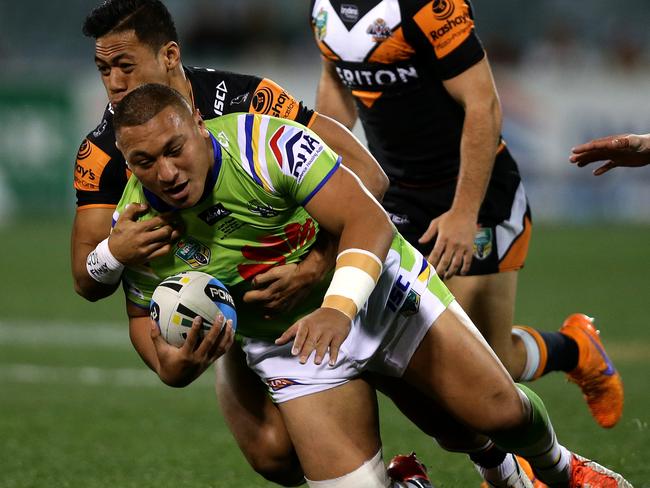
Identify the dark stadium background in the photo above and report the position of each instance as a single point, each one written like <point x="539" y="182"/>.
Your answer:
<point x="78" y="408"/>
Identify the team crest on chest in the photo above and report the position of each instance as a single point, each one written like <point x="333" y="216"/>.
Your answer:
<point x="483" y="243"/>
<point x="193" y="252"/>
<point x="320" y="24"/>
<point x="379" y="30"/>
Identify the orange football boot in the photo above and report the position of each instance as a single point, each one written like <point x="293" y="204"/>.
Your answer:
<point x="595" y="374"/>
<point x="589" y="474"/>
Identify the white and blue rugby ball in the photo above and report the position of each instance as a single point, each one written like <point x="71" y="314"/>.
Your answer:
<point x="177" y="300"/>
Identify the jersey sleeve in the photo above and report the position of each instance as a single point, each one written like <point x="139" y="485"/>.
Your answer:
<point x="270" y="98"/>
<point x="447" y="30"/>
<point x="283" y="157"/>
<point x="100" y="171"/>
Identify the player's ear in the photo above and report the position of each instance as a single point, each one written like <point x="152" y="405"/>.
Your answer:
<point x="199" y="121"/>
<point x="171" y="54"/>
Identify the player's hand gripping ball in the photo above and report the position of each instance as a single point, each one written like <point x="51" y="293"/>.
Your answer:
<point x="183" y="296"/>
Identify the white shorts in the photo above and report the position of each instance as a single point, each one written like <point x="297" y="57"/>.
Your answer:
<point x="407" y="300"/>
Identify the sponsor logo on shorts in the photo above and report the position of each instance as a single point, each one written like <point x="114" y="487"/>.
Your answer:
<point x="277" y="384"/>
<point x="442" y="9"/>
<point x="379" y="30"/>
<point x="397" y="293"/>
<point x="220" y="97"/>
<point x="214" y="214"/>
<point x="193" y="252"/>
<point x="483" y="243"/>
<point x="320" y="25"/>
<point x="262" y="209"/>
<point x="349" y="12"/>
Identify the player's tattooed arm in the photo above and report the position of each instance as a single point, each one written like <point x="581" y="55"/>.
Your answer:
<point x="631" y="150"/>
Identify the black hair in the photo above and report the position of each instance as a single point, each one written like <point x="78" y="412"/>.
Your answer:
<point x="150" y="19"/>
<point x="145" y="102"/>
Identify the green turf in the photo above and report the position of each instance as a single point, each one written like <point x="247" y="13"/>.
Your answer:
<point x="72" y="423"/>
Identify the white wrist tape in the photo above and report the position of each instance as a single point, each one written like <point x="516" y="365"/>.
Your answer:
<point x="102" y="265"/>
<point x="356" y="275"/>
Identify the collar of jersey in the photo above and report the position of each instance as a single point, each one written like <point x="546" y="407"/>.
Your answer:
<point x="161" y="206"/>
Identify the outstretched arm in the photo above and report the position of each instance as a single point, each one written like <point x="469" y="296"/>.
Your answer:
<point x="631" y="150"/>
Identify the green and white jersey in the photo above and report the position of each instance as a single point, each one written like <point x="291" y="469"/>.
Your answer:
<point x="250" y="218"/>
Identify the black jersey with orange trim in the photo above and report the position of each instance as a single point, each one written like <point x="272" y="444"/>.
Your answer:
<point x="100" y="173"/>
<point x="394" y="56"/>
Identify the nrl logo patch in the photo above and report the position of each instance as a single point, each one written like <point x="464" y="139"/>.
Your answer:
<point x="411" y="305"/>
<point x="483" y="244"/>
<point x="320" y="25"/>
<point x="193" y="252"/>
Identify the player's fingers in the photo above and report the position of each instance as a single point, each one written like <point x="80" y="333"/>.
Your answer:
<point x="455" y="264"/>
<point x="308" y="346"/>
<point x="252" y="296"/>
<point x="335" y="347"/>
<point x="604" y="168"/>
<point x="322" y="345"/>
<point x="288" y="334"/>
<point x="267" y="277"/>
<point x="157" y="251"/>
<point x="300" y="338"/>
<point x="226" y="339"/>
<point x="193" y="335"/>
<point x="430" y="233"/>
<point x="132" y="211"/>
<point x="443" y="261"/>
<point x="155" y="334"/>
<point x="467" y="262"/>
<point x="212" y="336"/>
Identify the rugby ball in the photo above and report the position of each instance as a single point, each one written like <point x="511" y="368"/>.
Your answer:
<point x="177" y="300"/>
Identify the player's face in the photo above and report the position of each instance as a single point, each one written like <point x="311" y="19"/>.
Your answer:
<point x="125" y="63"/>
<point x="171" y="155"/>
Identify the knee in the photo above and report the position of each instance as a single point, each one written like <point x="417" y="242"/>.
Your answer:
<point x="274" y="459"/>
<point x="506" y="413"/>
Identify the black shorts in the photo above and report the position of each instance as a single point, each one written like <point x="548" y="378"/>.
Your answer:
<point x="505" y="226"/>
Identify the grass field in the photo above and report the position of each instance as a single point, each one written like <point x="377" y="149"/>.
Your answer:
<point x="79" y="409"/>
